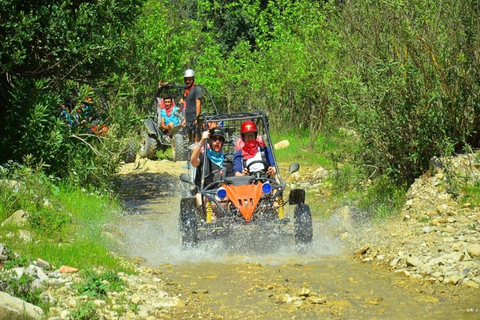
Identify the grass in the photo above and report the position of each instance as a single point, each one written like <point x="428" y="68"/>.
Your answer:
<point x="77" y="239"/>
<point x="327" y="150"/>
<point x="472" y="194"/>
<point x="65" y="223"/>
<point x="347" y="184"/>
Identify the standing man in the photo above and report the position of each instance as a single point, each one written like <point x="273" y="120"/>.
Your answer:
<point x="192" y="100"/>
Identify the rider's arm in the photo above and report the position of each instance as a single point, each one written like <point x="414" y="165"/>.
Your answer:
<point x="271" y="171"/>
<point x="198" y="100"/>
<point x="237" y="163"/>
<point x="198" y="103"/>
<point x="195" y="158"/>
<point x="162" y="124"/>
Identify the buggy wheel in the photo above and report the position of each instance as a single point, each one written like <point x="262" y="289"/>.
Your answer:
<point x="303" y="225"/>
<point x="130" y="152"/>
<point x="188" y="222"/>
<point x="179" y="150"/>
<point x="148" y="147"/>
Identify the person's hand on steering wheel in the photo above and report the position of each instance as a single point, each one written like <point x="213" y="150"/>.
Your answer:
<point x="271" y="171"/>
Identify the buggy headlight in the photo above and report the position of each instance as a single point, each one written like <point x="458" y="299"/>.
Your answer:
<point x="266" y="188"/>
<point x="221" y="193"/>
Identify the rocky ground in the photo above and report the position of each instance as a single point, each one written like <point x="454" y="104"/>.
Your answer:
<point x="435" y="239"/>
<point x="437" y="236"/>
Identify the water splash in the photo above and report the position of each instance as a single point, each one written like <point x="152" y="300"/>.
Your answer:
<point x="155" y="237"/>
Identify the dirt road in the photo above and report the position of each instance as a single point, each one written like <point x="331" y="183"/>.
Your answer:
<point x="247" y="276"/>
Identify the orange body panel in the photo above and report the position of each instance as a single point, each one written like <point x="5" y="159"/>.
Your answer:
<point x="245" y="198"/>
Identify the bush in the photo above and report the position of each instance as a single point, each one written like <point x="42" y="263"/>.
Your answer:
<point x="97" y="285"/>
<point x="411" y="81"/>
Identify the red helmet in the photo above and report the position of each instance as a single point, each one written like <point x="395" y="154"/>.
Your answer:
<point x="248" y="126"/>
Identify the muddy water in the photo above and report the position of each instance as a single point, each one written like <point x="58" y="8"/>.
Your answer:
<point x="250" y="276"/>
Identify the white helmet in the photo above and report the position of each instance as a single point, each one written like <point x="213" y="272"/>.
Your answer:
<point x="189" y="73"/>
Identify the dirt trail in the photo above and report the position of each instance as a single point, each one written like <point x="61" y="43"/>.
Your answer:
<point x="247" y="276"/>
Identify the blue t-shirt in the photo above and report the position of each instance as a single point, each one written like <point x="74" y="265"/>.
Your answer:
<point x="172" y="119"/>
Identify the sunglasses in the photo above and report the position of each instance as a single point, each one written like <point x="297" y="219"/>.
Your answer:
<point x="216" y="138"/>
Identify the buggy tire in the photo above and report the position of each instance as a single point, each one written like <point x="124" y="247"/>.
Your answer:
<point x="179" y="150"/>
<point x="148" y="147"/>
<point x="188" y="222"/>
<point x="303" y="225"/>
<point x="130" y="152"/>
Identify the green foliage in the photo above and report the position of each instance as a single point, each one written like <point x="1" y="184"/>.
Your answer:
<point x="64" y="39"/>
<point x="345" y="178"/>
<point x="410" y="77"/>
<point x="67" y="222"/>
<point x="86" y="311"/>
<point x="472" y="194"/>
<point x="21" y="287"/>
<point x="48" y="49"/>
<point x="24" y="187"/>
<point x="382" y="199"/>
<point x="97" y="285"/>
<point x="328" y="148"/>
<point x="15" y="262"/>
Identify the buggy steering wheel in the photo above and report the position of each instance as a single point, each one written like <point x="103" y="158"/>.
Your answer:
<point x="265" y="166"/>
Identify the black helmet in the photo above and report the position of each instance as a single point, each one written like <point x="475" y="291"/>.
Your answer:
<point x="217" y="131"/>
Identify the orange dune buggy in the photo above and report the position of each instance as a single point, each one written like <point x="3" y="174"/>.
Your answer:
<point x="230" y="202"/>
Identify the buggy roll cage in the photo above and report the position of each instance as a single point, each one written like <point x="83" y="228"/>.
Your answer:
<point x="209" y="191"/>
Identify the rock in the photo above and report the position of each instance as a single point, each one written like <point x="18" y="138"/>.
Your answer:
<point x="200" y="291"/>
<point x="304" y="292"/>
<point x="316" y="300"/>
<point x="12" y="184"/>
<point x="281" y="145"/>
<point x="362" y="250"/>
<point x="427" y="230"/>
<point x="72" y="303"/>
<point x="18" y="219"/>
<point x="394" y="262"/>
<point x="285" y="298"/>
<point x="474" y="250"/>
<point x="42" y="264"/>
<point x="414" y="262"/>
<point x="25" y="235"/>
<point x="67" y="269"/>
<point x="99" y="303"/>
<point x="442" y="209"/>
<point x="167" y="302"/>
<point x="471" y="284"/>
<point x="135" y="299"/>
<point x="15" y="308"/>
<point x="64" y="314"/>
<point x="320" y="174"/>
<point x="374" y="301"/>
<point x="448" y="229"/>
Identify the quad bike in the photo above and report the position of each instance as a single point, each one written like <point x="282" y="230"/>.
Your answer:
<point x="153" y="137"/>
<point x="256" y="199"/>
<point x="178" y="138"/>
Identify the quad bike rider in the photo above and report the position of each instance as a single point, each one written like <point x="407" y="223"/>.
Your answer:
<point x="179" y="137"/>
<point x="84" y="118"/>
<point x="155" y="137"/>
<point x="256" y="198"/>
